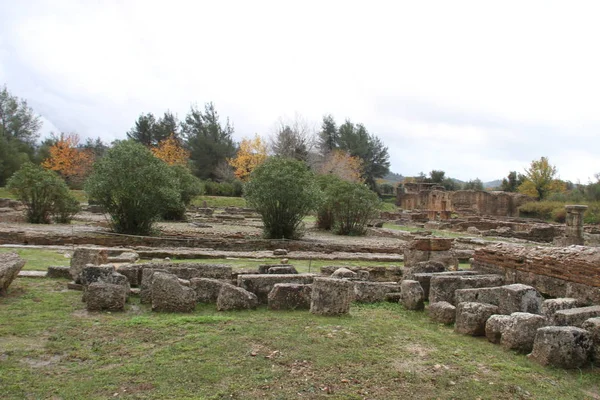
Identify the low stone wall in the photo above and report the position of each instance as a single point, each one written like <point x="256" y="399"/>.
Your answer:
<point x="555" y="271"/>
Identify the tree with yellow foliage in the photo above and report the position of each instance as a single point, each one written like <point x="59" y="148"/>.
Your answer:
<point x="341" y="164"/>
<point x="72" y="163"/>
<point x="251" y="154"/>
<point x="540" y="180"/>
<point x="171" y="151"/>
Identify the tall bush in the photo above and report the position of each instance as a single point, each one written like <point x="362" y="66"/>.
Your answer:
<point x="134" y="187"/>
<point x="283" y="191"/>
<point x="44" y="195"/>
<point x="351" y="206"/>
<point x="188" y="187"/>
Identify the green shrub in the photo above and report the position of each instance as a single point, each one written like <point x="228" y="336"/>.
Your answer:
<point x="44" y="194"/>
<point x="229" y="189"/>
<point x="283" y="191"/>
<point x="188" y="187"/>
<point x="353" y="206"/>
<point x="325" y="211"/>
<point x="134" y="187"/>
<point x="555" y="211"/>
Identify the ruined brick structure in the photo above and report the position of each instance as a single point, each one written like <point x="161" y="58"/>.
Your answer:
<point x="555" y="271"/>
<point x="434" y="200"/>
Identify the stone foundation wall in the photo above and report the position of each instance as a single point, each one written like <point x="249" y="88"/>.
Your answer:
<point x="555" y="271"/>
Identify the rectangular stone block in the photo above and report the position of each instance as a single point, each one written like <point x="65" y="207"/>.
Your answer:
<point x="262" y="284"/>
<point x="373" y="292"/>
<point x="576" y="316"/>
<point x="425" y="278"/>
<point x="442" y="287"/>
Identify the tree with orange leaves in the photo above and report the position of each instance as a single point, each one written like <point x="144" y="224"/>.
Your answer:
<point x="171" y="151"/>
<point x="251" y="154"/>
<point x="72" y="163"/>
<point x="343" y="165"/>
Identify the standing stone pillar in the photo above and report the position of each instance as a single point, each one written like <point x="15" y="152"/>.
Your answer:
<point x="429" y="249"/>
<point x="574" y="231"/>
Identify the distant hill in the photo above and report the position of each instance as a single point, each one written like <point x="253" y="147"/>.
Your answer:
<point x="393" y="177"/>
<point x="492" y="184"/>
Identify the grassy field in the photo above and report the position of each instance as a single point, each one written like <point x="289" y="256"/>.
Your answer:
<point x="51" y="348"/>
<point x="219" y="201"/>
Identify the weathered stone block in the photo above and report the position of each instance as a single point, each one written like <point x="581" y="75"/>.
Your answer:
<point x="331" y="296"/>
<point x="280" y="252"/>
<point x="125" y="257"/>
<point x="83" y="256"/>
<point x="592" y="325"/>
<point x="519" y="332"/>
<point x="373" y="292"/>
<point x="96" y="273"/>
<point x="234" y="298"/>
<point x="101" y="296"/>
<point x="286" y="270"/>
<point x="551" y="306"/>
<point x="494" y="327"/>
<point x="207" y="290"/>
<point x="261" y="285"/>
<point x="393" y="297"/>
<point x="562" y="346"/>
<point x="133" y="273"/>
<point x="425" y="278"/>
<point x="375" y="273"/>
<point x="343" y="273"/>
<point x="442" y="312"/>
<point x="264" y="268"/>
<point x="170" y="295"/>
<point x="471" y="318"/>
<point x="424" y="267"/>
<point x="290" y="296"/>
<point x="412" y="297"/>
<point x="576" y="316"/>
<point x="509" y="298"/>
<point x="442" y="287"/>
<point x="58" y="271"/>
<point x="10" y="266"/>
<point x="146" y="285"/>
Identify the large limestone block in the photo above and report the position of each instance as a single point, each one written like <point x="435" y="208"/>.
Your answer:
<point x="235" y="298"/>
<point x="442" y="312"/>
<point x="169" y="294"/>
<point x="373" y="292"/>
<point x="344" y="273"/>
<point x="424" y="278"/>
<point x="83" y="256"/>
<point x="262" y="284"/>
<point x="207" y="290"/>
<point x="146" y="284"/>
<point x="412" y="297"/>
<point x="443" y="287"/>
<point x="290" y="296"/>
<point x="575" y="316"/>
<point x="424" y="267"/>
<point x="519" y="332"/>
<point x="331" y="296"/>
<point x="471" y="318"/>
<point x="495" y="326"/>
<point x="509" y="298"/>
<point x="562" y="346"/>
<point x="10" y="266"/>
<point x="592" y="325"/>
<point x="101" y="296"/>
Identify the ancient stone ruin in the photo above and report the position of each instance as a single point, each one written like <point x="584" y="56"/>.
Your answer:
<point x="10" y="266"/>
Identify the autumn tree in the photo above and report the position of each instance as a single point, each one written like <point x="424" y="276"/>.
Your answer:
<point x="171" y="151"/>
<point x="251" y="154"/>
<point x="71" y="162"/>
<point x="342" y="165"/>
<point x="540" y="179"/>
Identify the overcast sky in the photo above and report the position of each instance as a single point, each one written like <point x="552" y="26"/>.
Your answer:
<point x="473" y="88"/>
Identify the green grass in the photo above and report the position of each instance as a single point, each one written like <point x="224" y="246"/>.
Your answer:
<point x="51" y="348"/>
<point x="219" y="201"/>
<point x="79" y="194"/>
<point x="5" y="194"/>
<point x="38" y="259"/>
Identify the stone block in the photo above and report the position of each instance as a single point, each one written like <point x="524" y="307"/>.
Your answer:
<point x="494" y="327"/>
<point x="262" y="284"/>
<point x="373" y="292"/>
<point x="471" y="318"/>
<point x="286" y="270"/>
<point x="509" y="298"/>
<point x="442" y="287"/>
<point x="562" y="346"/>
<point x="280" y="252"/>
<point x="442" y="312"/>
<point x="101" y="296"/>
<point x="344" y="273"/>
<point x="207" y="290"/>
<point x="133" y="273"/>
<point x="551" y="306"/>
<point x="125" y="257"/>
<point x="170" y="295"/>
<point x="592" y="325"/>
<point x="331" y="296"/>
<point x="264" y="268"/>
<point x="83" y="256"/>
<point x="393" y="297"/>
<point x="519" y="333"/>
<point x="96" y="273"/>
<point x="290" y="296"/>
<point x="10" y="266"/>
<point x="58" y="271"/>
<point x="412" y="297"/>
<point x="425" y="278"/>
<point x="235" y="298"/>
<point x="375" y="273"/>
<point x="575" y="316"/>
<point x="424" y="267"/>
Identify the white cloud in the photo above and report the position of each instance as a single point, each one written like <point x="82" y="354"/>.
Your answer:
<point x="474" y="88"/>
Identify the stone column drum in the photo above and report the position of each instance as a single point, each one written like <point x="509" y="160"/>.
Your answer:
<point x="574" y="219"/>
